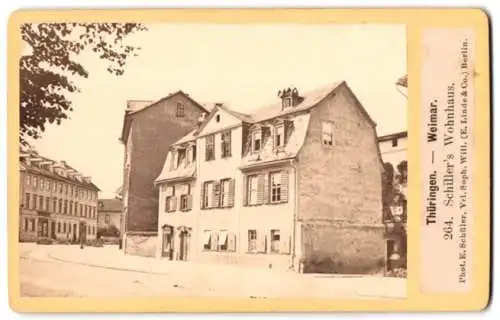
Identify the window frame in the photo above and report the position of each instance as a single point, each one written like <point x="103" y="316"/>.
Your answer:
<point x="207" y="193"/>
<point x="252" y="241"/>
<point x="250" y="190"/>
<point x="184" y="202"/>
<point x="225" y="138"/>
<point x="275" y="244"/>
<point x="272" y="188"/>
<point x="256" y="136"/>
<point x="224" y="193"/>
<point x="327" y="143"/>
<point x="180" y="110"/>
<point x="210" y="147"/>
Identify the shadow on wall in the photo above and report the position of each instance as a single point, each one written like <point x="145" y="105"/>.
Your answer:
<point x="355" y="265"/>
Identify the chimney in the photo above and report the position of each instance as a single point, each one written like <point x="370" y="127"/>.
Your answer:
<point x="289" y="97"/>
<point x="201" y="118"/>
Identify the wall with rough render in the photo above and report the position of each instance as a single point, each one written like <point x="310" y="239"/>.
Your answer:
<point x="153" y="130"/>
<point x="340" y="191"/>
<point x="139" y="244"/>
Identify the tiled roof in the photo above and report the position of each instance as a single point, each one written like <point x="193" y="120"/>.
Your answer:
<point x="189" y="137"/>
<point x="41" y="170"/>
<point x="182" y="172"/>
<point x="110" y="205"/>
<point x="140" y="105"/>
<point x="291" y="149"/>
<point x="311" y="99"/>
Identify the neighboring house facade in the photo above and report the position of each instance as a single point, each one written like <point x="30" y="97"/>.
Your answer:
<point x="393" y="148"/>
<point x="149" y="128"/>
<point x="109" y="214"/>
<point x="56" y="201"/>
<point x="295" y="185"/>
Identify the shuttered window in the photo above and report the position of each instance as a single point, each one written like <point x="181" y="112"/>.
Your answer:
<point x="253" y="188"/>
<point x="252" y="241"/>
<point x="207" y="237"/>
<point x="256" y="141"/>
<point x="207" y="191"/>
<point x="216" y="195"/>
<point x="27" y="200"/>
<point x="222" y="240"/>
<point x="275" y="187"/>
<point x="225" y="192"/>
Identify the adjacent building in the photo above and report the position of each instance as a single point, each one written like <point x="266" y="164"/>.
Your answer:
<point x="394" y="149"/>
<point x="109" y="217"/>
<point x="294" y="185"/>
<point x="56" y="201"/>
<point x="149" y="129"/>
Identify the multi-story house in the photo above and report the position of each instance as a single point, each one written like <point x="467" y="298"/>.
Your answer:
<point x="393" y="148"/>
<point x="56" y="201"/>
<point x="295" y="185"/>
<point x="149" y="128"/>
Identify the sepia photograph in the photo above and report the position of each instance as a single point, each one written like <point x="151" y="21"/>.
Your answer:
<point x="213" y="160"/>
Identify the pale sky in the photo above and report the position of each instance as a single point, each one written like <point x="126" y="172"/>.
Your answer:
<point x="241" y="65"/>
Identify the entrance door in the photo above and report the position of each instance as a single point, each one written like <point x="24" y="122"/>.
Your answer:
<point x="390" y="252"/>
<point x="83" y="232"/>
<point x="183" y="245"/>
<point x="53" y="230"/>
<point x="167" y="243"/>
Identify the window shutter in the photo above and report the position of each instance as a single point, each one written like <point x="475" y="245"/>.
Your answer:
<point x="231" y="242"/>
<point x="260" y="188"/>
<point x="261" y="242"/>
<point x="216" y="194"/>
<point x="214" y="241"/>
<point x="246" y="190"/>
<point x="202" y="197"/>
<point x="174" y="203"/>
<point x="284" y="186"/>
<point x="231" y="193"/>
<point x="266" y="188"/>
<point x="285" y="244"/>
<point x="189" y="202"/>
<point x="166" y="204"/>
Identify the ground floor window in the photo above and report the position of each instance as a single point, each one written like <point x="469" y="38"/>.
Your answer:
<point x="207" y="237"/>
<point x="59" y="227"/>
<point x="222" y="241"/>
<point x="252" y="240"/>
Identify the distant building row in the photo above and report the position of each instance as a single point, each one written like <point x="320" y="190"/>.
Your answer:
<point x="56" y="201"/>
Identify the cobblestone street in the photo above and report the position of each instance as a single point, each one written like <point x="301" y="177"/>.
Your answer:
<point x="68" y="271"/>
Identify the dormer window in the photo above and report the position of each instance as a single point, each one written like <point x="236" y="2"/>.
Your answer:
<point x="256" y="141"/>
<point x="181" y="157"/>
<point x="289" y="97"/>
<point x="287" y="102"/>
<point x="279" y="136"/>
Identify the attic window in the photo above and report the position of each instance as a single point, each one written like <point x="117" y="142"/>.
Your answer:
<point x="327" y="134"/>
<point x="179" y="113"/>
<point x="217" y="118"/>
<point x="287" y="102"/>
<point x="256" y="141"/>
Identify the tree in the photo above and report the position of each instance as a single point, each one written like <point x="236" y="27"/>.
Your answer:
<point x="45" y="73"/>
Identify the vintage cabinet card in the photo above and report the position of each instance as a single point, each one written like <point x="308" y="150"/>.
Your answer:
<point x="249" y="160"/>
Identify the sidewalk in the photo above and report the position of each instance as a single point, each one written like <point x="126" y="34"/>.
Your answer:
<point x="230" y="280"/>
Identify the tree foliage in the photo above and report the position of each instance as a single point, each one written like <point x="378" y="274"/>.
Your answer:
<point x="46" y="74"/>
<point x="392" y="183"/>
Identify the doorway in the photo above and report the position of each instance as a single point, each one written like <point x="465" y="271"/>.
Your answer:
<point x="183" y="245"/>
<point x="53" y="230"/>
<point x="389" y="253"/>
<point x="167" y="242"/>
